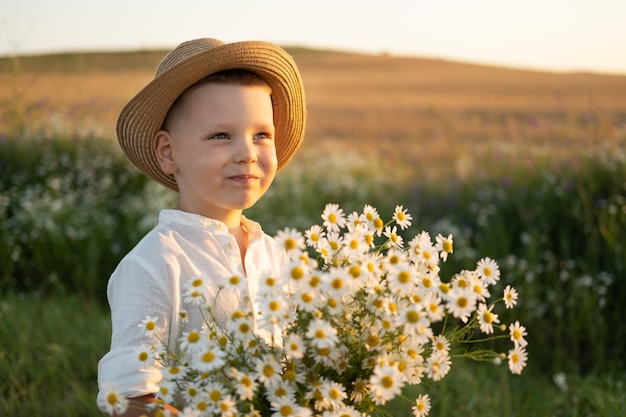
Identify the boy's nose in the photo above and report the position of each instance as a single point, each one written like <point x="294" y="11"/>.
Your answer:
<point x="245" y="151"/>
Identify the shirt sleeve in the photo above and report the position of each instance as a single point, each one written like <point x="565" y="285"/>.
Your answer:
<point x="133" y="295"/>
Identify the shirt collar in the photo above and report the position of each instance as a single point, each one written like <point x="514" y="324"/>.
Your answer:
<point x="201" y="222"/>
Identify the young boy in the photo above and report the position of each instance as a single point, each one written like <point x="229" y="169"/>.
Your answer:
<point x="215" y="125"/>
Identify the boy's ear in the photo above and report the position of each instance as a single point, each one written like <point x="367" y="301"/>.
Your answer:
<point x="164" y="150"/>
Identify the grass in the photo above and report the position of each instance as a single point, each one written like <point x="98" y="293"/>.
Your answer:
<point x="50" y="350"/>
<point x="518" y="165"/>
<point x="49" y="368"/>
<point x="557" y="239"/>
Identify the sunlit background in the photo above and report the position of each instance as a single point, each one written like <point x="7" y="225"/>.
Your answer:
<point x="560" y="35"/>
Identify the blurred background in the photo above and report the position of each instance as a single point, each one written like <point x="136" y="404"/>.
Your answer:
<point x="501" y="123"/>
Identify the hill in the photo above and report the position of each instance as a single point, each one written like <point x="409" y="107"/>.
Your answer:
<point x="352" y="97"/>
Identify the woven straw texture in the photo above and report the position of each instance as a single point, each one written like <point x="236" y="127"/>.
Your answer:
<point x="188" y="63"/>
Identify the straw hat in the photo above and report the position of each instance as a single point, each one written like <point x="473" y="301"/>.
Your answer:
<point x="193" y="60"/>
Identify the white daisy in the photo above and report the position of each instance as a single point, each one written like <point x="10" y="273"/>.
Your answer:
<point x="149" y="326"/>
<point x="186" y="412"/>
<point x="334" y="217"/>
<point x="385" y="383"/>
<point x="227" y="407"/>
<point x="401" y="280"/>
<point x="418" y="242"/>
<point x="488" y="270"/>
<point x="235" y="282"/>
<point x="441" y="344"/>
<point x="245" y="386"/>
<point x="287" y="407"/>
<point x="145" y="355"/>
<point x="486" y="318"/>
<point x="294" y="346"/>
<point x="313" y="235"/>
<point x="355" y="220"/>
<point x="190" y="391"/>
<point x="343" y="411"/>
<point x="115" y="403"/>
<point x="401" y="217"/>
<point x="479" y="286"/>
<point x="370" y="213"/>
<point x="322" y="334"/>
<point x="444" y="246"/>
<point x="355" y="243"/>
<point x="281" y="390"/>
<point x="517" y="359"/>
<point x="167" y="390"/>
<point x="215" y="391"/>
<point x="510" y="297"/>
<point x="292" y="241"/>
<point x="184" y="316"/>
<point x="332" y="394"/>
<point x="461" y="303"/>
<point x="242" y="328"/>
<point x="517" y="333"/>
<point x="195" y="290"/>
<point x="433" y="307"/>
<point x="307" y="299"/>
<point x="337" y="282"/>
<point x="395" y="240"/>
<point x="209" y="358"/>
<point x="422" y="406"/>
<point x="437" y="365"/>
<point x="268" y="370"/>
<point x="192" y="341"/>
<point x="273" y="309"/>
<point x="426" y="278"/>
<point x="414" y="320"/>
<point x="359" y="391"/>
<point x="173" y="372"/>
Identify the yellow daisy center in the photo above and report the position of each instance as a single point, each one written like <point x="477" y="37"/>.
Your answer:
<point x="387" y="382"/>
<point x="404" y="277"/>
<point x="412" y="316"/>
<point x="208" y="357"/>
<point x="297" y="272"/>
<point x="488" y="317"/>
<point x="112" y="398"/>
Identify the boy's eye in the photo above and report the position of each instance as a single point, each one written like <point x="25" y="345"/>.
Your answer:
<point x="263" y="135"/>
<point x="219" y="136"/>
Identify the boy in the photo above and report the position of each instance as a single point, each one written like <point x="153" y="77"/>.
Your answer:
<point x="215" y="125"/>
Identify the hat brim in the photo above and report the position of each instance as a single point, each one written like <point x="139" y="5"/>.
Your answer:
<point x="144" y="114"/>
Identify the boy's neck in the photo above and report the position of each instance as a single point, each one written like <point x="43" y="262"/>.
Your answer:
<point x="240" y="233"/>
<point x="231" y="218"/>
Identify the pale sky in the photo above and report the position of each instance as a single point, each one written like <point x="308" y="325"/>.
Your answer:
<point x="556" y="35"/>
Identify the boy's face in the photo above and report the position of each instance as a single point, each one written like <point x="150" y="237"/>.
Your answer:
<point x="221" y="149"/>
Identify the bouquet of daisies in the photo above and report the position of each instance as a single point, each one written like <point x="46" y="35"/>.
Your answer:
<point x="358" y="315"/>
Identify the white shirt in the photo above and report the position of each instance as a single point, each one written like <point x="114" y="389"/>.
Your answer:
<point x="150" y="281"/>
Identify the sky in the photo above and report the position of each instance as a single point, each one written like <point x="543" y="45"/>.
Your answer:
<point x="553" y="35"/>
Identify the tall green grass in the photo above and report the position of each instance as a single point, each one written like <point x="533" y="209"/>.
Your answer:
<point x="70" y="209"/>
<point x="50" y="347"/>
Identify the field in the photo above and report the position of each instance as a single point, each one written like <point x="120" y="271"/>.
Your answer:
<point x="361" y="101"/>
<point x="526" y="167"/>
